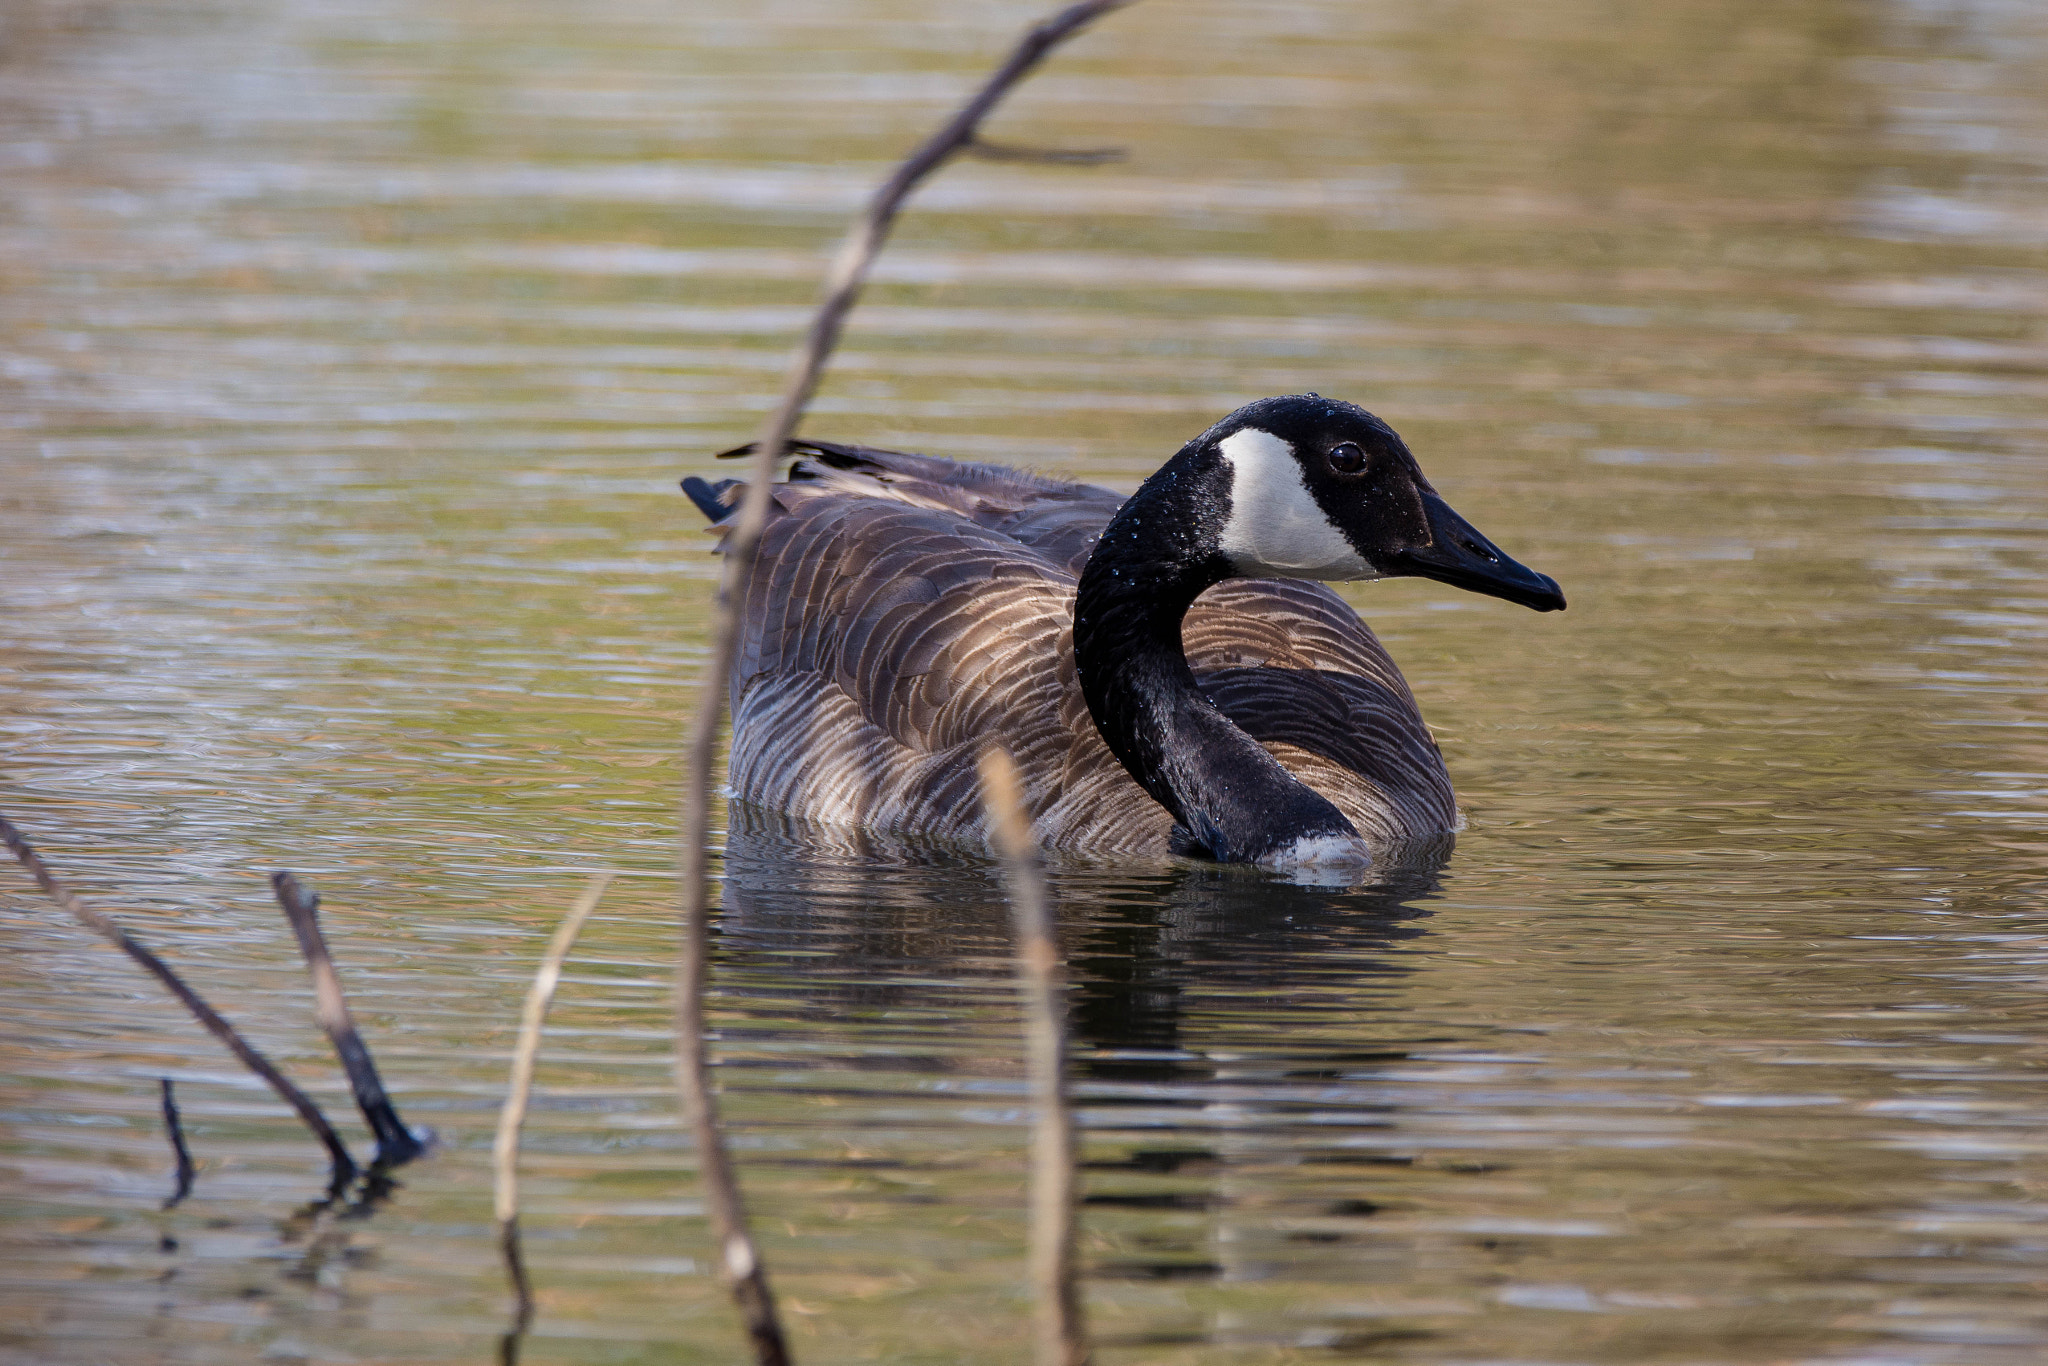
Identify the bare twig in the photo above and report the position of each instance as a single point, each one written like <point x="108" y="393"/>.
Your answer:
<point x="739" y="1260"/>
<point x="1060" y="1337"/>
<point x="176" y="1129"/>
<point x="343" y="1170"/>
<point x="396" y="1144"/>
<point x="505" y="1150"/>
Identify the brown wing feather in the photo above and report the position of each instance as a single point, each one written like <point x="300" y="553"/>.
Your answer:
<point x="1060" y="520"/>
<point x="905" y="612"/>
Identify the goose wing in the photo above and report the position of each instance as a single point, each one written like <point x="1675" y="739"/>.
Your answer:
<point x="1059" y="519"/>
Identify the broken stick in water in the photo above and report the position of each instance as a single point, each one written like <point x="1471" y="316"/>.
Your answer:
<point x="1060" y="1337"/>
<point x="176" y="1129"/>
<point x="396" y="1144"/>
<point x="505" y="1150"/>
<point x="343" y="1170"/>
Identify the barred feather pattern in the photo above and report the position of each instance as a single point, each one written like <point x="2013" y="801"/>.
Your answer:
<point x="907" y="611"/>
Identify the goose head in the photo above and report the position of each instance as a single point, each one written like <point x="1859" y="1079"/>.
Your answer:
<point x="1299" y="487"/>
<point x="1321" y="489"/>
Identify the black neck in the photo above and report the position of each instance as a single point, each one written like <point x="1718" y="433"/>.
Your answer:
<point x="1233" y="801"/>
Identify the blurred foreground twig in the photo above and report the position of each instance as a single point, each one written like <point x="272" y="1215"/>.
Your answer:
<point x="738" y="1258"/>
<point x="505" y="1150"/>
<point x="1060" y="1337"/>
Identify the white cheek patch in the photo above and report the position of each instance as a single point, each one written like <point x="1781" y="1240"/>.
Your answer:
<point x="1276" y="530"/>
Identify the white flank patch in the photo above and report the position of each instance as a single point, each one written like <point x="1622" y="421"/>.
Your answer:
<point x="1275" y="530"/>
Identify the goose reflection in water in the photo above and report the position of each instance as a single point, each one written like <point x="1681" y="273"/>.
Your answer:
<point x="1216" y="1012"/>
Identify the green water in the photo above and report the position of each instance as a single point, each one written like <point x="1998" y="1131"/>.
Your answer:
<point x="349" y="355"/>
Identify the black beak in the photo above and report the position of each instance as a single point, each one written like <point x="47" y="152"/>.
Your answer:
<point x="1458" y="555"/>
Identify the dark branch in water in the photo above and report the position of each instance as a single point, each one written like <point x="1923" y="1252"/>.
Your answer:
<point x="514" y="1253"/>
<point x="344" y="1166"/>
<point x="176" y="1130"/>
<point x="984" y="150"/>
<point x="1060" y="1336"/>
<point x="739" y="1260"/>
<point x="396" y="1144"/>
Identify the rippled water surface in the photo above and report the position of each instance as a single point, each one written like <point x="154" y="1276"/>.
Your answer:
<point x="349" y="354"/>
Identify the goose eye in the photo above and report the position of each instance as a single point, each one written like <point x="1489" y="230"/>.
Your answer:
<point x="1347" y="458"/>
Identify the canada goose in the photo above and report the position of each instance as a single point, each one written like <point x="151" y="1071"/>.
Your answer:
<point x="906" y="611"/>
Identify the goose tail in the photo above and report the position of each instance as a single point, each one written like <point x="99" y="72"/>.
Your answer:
<point x="715" y="501"/>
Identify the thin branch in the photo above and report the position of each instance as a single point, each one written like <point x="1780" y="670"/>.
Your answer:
<point x="1060" y="1338"/>
<point x="984" y="150"/>
<point x="505" y="1150"/>
<point x="175" y="1128"/>
<point x="396" y="1144"/>
<point x="739" y="1259"/>
<point x="343" y="1169"/>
